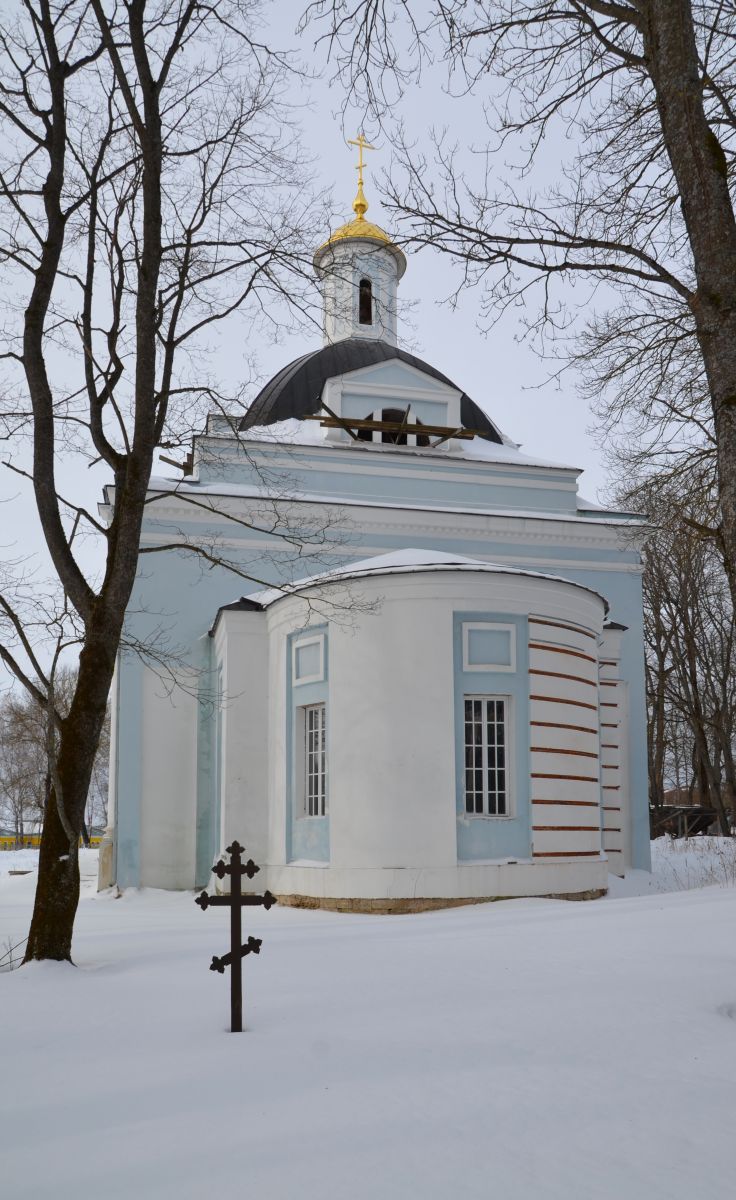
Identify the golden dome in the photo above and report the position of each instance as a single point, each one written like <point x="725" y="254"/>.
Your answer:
<point x="359" y="228"/>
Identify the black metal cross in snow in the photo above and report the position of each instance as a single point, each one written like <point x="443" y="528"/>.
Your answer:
<point x="235" y="869"/>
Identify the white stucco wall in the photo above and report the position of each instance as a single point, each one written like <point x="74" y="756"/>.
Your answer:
<point x="392" y="761"/>
<point x="616" y="792"/>
<point x="241" y="651"/>
<point x="168" y="782"/>
<point x="564" y="735"/>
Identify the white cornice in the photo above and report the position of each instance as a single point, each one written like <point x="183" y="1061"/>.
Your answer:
<point x="273" y="546"/>
<point x="371" y="514"/>
<point x="537" y="531"/>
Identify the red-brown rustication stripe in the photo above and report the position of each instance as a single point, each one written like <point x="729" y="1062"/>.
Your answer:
<point x="562" y="725"/>
<point x="566" y="828"/>
<point x="558" y="750"/>
<point x="565" y="854"/>
<point x="566" y="778"/>
<point x="576" y="803"/>
<point x="561" y="675"/>
<point x="561" y="650"/>
<point x="561" y="625"/>
<point x="559" y="700"/>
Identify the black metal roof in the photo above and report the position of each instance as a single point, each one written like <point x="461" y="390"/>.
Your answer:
<point x="244" y="604"/>
<point x="297" y="389"/>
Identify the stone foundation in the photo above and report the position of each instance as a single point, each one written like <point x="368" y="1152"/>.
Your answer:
<point x="402" y="905"/>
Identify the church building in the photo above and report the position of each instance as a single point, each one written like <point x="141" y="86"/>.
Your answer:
<point x="404" y="667"/>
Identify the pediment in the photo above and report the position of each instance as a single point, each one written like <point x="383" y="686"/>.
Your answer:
<point x="396" y="377"/>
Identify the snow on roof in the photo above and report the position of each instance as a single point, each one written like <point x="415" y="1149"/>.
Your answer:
<point x="509" y="452"/>
<point x="405" y="562"/>
<point x="293" y="432"/>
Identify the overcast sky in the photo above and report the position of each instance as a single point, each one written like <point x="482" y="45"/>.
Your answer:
<point x="498" y="371"/>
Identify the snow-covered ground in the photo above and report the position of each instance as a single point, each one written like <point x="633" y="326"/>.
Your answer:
<point x="526" y="1050"/>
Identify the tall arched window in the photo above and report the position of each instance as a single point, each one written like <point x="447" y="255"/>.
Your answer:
<point x="365" y="302"/>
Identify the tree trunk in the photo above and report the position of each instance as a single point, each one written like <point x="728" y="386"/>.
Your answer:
<point x="729" y="769"/>
<point x="700" y="169"/>
<point x="718" y="343"/>
<point x="57" y="892"/>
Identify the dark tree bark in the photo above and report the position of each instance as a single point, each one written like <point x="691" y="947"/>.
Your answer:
<point x="700" y="169"/>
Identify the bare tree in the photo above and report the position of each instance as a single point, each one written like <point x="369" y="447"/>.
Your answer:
<point x="24" y="768"/>
<point x="641" y="214"/>
<point x="150" y="188"/>
<point x="690" y="651"/>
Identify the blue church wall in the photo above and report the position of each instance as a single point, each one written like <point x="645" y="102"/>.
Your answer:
<point x="209" y="769"/>
<point x="480" y="838"/>
<point x="129" y="799"/>
<point x="410" y="479"/>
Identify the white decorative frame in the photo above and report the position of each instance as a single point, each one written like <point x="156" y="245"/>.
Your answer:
<point x="488" y="626"/>
<point x="296" y="646"/>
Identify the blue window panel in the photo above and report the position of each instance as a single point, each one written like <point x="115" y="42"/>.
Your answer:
<point x="481" y="838"/>
<point x="308" y="664"/>
<point x="307" y="837"/>
<point x="489" y="648"/>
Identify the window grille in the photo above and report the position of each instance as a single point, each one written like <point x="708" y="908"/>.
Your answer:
<point x="486" y="766"/>
<point x="315" y="789"/>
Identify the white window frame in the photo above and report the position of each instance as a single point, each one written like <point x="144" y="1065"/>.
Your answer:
<point x="507" y="701"/>
<point x="298" y="681"/>
<point x="314" y="797"/>
<point x="489" y="626"/>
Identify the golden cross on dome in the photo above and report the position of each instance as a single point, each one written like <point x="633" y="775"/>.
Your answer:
<point x="362" y="145"/>
<point x="360" y="204"/>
